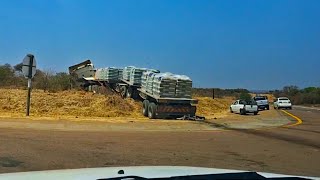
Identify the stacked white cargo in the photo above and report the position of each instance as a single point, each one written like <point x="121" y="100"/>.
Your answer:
<point x="136" y="75"/>
<point x="101" y="74"/>
<point x="144" y="79"/>
<point x="183" y="86"/>
<point x="150" y="82"/>
<point x="164" y="85"/>
<point x="113" y="74"/>
<point x="126" y="73"/>
<point x="147" y="80"/>
<point x="120" y="73"/>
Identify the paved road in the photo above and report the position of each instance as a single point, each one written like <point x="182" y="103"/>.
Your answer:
<point x="290" y="150"/>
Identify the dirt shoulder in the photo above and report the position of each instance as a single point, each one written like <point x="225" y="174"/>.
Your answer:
<point x="265" y="119"/>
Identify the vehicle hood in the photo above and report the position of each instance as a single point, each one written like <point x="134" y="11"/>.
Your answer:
<point x="112" y="172"/>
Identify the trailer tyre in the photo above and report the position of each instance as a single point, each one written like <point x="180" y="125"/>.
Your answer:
<point x="152" y="110"/>
<point x="123" y="91"/>
<point x="145" y="107"/>
<point x="129" y="92"/>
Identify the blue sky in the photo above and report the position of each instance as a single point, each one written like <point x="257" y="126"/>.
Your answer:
<point x="228" y="44"/>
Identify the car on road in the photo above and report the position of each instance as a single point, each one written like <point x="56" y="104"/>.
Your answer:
<point x="243" y="107"/>
<point x="262" y="102"/>
<point x="282" y="102"/>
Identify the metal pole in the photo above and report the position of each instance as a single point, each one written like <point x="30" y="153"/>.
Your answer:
<point x="213" y="93"/>
<point x="28" y="98"/>
<point x="29" y="84"/>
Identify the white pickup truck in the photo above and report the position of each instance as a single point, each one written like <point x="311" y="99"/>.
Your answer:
<point x="243" y="107"/>
<point x="262" y="102"/>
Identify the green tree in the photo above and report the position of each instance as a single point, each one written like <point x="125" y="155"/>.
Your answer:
<point x="290" y="90"/>
<point x="245" y="96"/>
<point x="6" y="75"/>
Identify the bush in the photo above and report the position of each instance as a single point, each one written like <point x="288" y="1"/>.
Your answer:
<point x="245" y="96"/>
<point x="207" y="92"/>
<point x="309" y="95"/>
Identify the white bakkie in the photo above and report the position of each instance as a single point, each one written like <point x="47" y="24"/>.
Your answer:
<point x="262" y="102"/>
<point x="282" y="102"/>
<point x="243" y="107"/>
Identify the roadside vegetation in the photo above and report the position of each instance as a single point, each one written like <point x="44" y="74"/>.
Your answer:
<point x="221" y="93"/>
<point x="47" y="80"/>
<point x="308" y="96"/>
<point x="52" y="96"/>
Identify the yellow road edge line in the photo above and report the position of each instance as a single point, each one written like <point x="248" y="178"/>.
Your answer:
<point x="299" y="121"/>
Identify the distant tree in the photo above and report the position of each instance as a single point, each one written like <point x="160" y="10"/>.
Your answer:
<point x="290" y="90"/>
<point x="245" y="96"/>
<point x="6" y="75"/>
<point x="310" y="89"/>
<point x="61" y="81"/>
<point x="42" y="79"/>
<point x="18" y="67"/>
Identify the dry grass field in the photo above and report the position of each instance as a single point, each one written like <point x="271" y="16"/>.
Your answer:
<point x="82" y="104"/>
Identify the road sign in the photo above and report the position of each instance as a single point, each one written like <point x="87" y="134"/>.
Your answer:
<point x="29" y="70"/>
<point x="29" y="66"/>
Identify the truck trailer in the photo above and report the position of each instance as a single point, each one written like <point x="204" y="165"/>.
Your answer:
<point x="154" y="106"/>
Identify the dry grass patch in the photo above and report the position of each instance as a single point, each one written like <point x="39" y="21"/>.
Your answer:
<point x="71" y="104"/>
<point x="209" y="107"/>
<point x="68" y="103"/>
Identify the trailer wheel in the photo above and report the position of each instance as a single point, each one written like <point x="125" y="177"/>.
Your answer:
<point x="129" y="92"/>
<point x="152" y="110"/>
<point x="145" y="107"/>
<point x="123" y="91"/>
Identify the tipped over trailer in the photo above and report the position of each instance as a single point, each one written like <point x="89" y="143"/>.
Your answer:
<point x="153" y="106"/>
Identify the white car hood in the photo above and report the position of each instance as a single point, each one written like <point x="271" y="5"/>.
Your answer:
<point x="111" y="172"/>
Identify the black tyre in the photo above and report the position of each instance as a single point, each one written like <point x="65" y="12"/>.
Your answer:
<point x="152" y="110"/>
<point x="145" y="107"/>
<point x="123" y="91"/>
<point x="242" y="111"/>
<point x="268" y="107"/>
<point x="290" y="107"/>
<point x="135" y="94"/>
<point x="129" y="92"/>
<point x="255" y="113"/>
<point x="231" y="110"/>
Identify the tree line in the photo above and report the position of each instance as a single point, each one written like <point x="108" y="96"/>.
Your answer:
<point x="47" y="80"/>
<point x="309" y="95"/>
<point x="219" y="93"/>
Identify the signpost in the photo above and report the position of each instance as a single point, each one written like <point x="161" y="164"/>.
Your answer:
<point x="29" y="70"/>
<point x="212" y="93"/>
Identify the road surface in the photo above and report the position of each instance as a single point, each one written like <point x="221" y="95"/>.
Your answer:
<point x="287" y="150"/>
